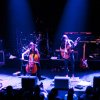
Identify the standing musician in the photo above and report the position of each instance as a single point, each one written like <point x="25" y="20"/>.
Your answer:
<point x="67" y="53"/>
<point x="33" y="66"/>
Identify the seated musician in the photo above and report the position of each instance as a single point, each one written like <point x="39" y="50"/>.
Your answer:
<point x="33" y="66"/>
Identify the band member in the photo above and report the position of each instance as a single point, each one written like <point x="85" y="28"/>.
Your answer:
<point x="33" y="66"/>
<point x="67" y="53"/>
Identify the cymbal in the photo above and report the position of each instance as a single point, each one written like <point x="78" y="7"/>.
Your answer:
<point x="95" y="54"/>
<point x="12" y="57"/>
<point x="57" y="50"/>
<point x="98" y="39"/>
<point x="88" y="41"/>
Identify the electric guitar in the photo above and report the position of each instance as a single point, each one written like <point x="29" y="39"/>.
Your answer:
<point x="65" y="53"/>
<point x="84" y="63"/>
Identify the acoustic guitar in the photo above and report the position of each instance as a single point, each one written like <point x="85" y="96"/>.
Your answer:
<point x="65" y="53"/>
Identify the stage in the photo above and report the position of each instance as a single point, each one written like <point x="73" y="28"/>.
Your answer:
<point x="11" y="74"/>
<point x="82" y="78"/>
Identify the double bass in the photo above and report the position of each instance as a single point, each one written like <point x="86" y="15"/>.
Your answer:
<point x="31" y="67"/>
<point x="34" y="57"/>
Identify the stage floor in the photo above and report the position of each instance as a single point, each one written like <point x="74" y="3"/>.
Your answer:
<point x="84" y="78"/>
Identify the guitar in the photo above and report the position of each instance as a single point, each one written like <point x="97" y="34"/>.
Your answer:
<point x="84" y="63"/>
<point x="65" y="53"/>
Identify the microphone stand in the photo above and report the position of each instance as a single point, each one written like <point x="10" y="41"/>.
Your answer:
<point x="47" y="43"/>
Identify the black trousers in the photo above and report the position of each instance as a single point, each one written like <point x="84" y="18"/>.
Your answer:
<point x="71" y="62"/>
<point x="38" y="74"/>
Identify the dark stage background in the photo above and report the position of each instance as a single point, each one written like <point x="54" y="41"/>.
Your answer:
<point x="46" y="15"/>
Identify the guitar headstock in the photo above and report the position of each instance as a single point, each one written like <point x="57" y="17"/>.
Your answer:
<point x="78" y="39"/>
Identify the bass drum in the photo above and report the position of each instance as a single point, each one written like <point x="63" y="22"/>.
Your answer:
<point x="31" y="67"/>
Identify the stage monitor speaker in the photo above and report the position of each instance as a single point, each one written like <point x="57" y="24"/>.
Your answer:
<point x="29" y="82"/>
<point x="96" y="82"/>
<point x="61" y="82"/>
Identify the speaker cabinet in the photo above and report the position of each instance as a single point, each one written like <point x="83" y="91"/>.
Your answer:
<point x="96" y="82"/>
<point x="61" y="82"/>
<point x="29" y="82"/>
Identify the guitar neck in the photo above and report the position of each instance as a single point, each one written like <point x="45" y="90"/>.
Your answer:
<point x="84" y="47"/>
<point x="76" y="41"/>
